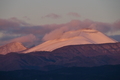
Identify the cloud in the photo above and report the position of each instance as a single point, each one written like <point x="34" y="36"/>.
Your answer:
<point x="36" y="30"/>
<point x="73" y="14"/>
<point x="1" y="35"/>
<point x="75" y="25"/>
<point x="55" y="34"/>
<point x="22" y="39"/>
<point x="20" y="22"/>
<point x="27" y="40"/>
<point x="12" y="23"/>
<point x="115" y="29"/>
<point x="6" y="24"/>
<point x="13" y="28"/>
<point x="52" y="15"/>
<point x="117" y="25"/>
<point x="16" y="26"/>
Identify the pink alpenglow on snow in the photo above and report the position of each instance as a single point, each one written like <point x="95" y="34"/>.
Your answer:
<point x="77" y="37"/>
<point x="11" y="47"/>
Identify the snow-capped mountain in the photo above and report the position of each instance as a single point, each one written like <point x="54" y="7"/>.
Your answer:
<point x="11" y="47"/>
<point x="78" y="37"/>
<point x="87" y="55"/>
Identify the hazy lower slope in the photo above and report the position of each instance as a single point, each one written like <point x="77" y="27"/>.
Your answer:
<point x="11" y="47"/>
<point x="83" y="36"/>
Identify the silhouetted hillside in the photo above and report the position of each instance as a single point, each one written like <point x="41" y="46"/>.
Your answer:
<point x="108" y="72"/>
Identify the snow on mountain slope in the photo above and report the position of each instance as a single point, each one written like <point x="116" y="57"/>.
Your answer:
<point x="11" y="47"/>
<point x="83" y="36"/>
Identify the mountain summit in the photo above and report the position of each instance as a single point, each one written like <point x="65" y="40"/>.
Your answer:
<point x="11" y="47"/>
<point x="78" y="37"/>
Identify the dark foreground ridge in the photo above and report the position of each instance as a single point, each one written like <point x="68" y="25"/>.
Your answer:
<point x="108" y="72"/>
<point x="69" y="56"/>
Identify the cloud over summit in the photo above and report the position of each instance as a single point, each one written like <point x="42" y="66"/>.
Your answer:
<point x="75" y="25"/>
<point x="16" y="27"/>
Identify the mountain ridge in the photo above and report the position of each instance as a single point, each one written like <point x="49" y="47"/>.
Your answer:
<point x="76" y="55"/>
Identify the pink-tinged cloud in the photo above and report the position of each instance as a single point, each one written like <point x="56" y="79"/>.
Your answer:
<point x="37" y="30"/>
<point x="52" y="15"/>
<point x="117" y="25"/>
<point x="12" y="23"/>
<point x="7" y="24"/>
<point x="51" y="31"/>
<point x="75" y="25"/>
<point x="20" y="22"/>
<point x="55" y="34"/>
<point x="73" y="14"/>
<point x="16" y="26"/>
<point x="27" y="40"/>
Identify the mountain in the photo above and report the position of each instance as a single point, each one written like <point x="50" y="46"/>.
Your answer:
<point x="11" y="47"/>
<point x="86" y="55"/>
<point x="82" y="36"/>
